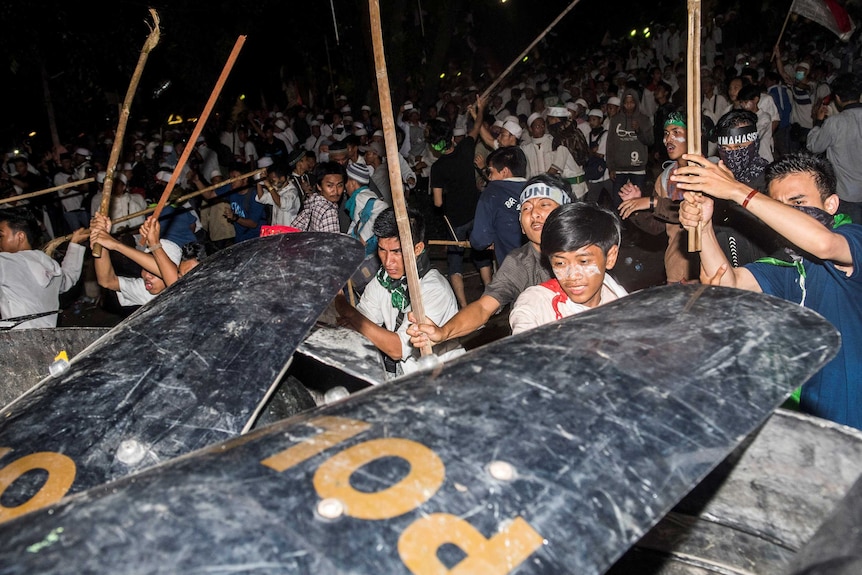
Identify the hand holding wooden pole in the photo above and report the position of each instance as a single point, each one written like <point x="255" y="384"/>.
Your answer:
<point x="693" y="121"/>
<point x="120" y="135"/>
<point x="399" y="204"/>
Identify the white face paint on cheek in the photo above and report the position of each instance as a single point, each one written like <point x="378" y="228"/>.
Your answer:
<point x="678" y="139"/>
<point x="576" y="271"/>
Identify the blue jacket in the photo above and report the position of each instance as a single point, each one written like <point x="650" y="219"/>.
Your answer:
<point x="497" y="219"/>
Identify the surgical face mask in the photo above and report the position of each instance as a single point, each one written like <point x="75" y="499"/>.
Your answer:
<point x="800" y="75"/>
<point x="323" y="157"/>
<point x="738" y="160"/>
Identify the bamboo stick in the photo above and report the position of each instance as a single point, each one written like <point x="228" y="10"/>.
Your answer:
<point x="51" y="246"/>
<point x="456" y="243"/>
<point x="693" y="101"/>
<point x="120" y="135"/>
<point x="46" y="191"/>
<point x="199" y="125"/>
<point x="781" y="34"/>
<point x="399" y="204"/>
<point x="526" y="51"/>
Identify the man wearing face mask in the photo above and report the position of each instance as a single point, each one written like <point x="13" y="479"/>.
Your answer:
<point x="742" y="236"/>
<point x="802" y="92"/>
<point x="820" y="271"/>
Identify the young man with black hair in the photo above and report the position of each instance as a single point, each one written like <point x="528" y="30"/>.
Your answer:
<point x="30" y="280"/>
<point x="453" y="187"/>
<point x="381" y="314"/>
<point x="522" y="268"/>
<point x="838" y="136"/>
<point x="581" y="242"/>
<point x="320" y="212"/>
<point x="819" y="268"/>
<point x="497" y="221"/>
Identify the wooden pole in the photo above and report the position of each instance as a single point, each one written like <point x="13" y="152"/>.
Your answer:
<point x="693" y="121"/>
<point x="46" y="191"/>
<point x="783" y="27"/>
<point x="52" y="245"/>
<point x="526" y="51"/>
<point x="399" y="204"/>
<point x="457" y="243"/>
<point x="199" y="125"/>
<point x="120" y="135"/>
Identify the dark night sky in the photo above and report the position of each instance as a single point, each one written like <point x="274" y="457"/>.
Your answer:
<point x="89" y="64"/>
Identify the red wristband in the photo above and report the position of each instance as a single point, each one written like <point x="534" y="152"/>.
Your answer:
<point x="748" y="198"/>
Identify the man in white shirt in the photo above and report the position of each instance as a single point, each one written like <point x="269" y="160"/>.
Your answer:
<point x="30" y="280"/>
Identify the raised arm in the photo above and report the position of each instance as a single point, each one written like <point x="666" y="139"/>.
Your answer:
<point x="799" y="228"/>
<point x="151" y="232"/>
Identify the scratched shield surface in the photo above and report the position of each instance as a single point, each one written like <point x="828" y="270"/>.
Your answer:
<point x="184" y="371"/>
<point x="549" y="452"/>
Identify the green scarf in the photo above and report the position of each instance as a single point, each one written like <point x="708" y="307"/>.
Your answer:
<point x="398" y="288"/>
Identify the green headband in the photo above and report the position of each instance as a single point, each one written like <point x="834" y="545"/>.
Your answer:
<point x="440" y="146"/>
<point x="676" y="119"/>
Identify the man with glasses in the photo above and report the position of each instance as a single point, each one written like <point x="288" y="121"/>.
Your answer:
<point x="630" y="136"/>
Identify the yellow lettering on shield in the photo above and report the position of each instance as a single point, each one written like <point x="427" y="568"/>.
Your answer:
<point x="498" y="555"/>
<point x="336" y="430"/>
<point x="332" y="478"/>
<point x="61" y="474"/>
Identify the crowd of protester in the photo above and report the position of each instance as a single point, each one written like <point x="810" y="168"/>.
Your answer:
<point x="543" y="178"/>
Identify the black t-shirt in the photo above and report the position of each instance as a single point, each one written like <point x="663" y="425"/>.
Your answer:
<point x="455" y="174"/>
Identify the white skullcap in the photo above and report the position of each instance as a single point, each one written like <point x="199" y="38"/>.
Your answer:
<point x="513" y="128"/>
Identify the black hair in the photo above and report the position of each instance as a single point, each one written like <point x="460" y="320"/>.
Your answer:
<point x="439" y="130"/>
<point x="735" y="119"/>
<point x="847" y="87"/>
<point x="511" y="157"/>
<point x="749" y="71"/>
<point x="236" y="167"/>
<point x="805" y="163"/>
<point x="194" y="251"/>
<point x="748" y="93"/>
<point x="324" y="169"/>
<point x="743" y="81"/>
<point x="352" y="140"/>
<point x="552" y="180"/>
<point x="386" y="226"/>
<point x="574" y="226"/>
<point x="773" y="76"/>
<point x="19" y="221"/>
<point x="278" y="168"/>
